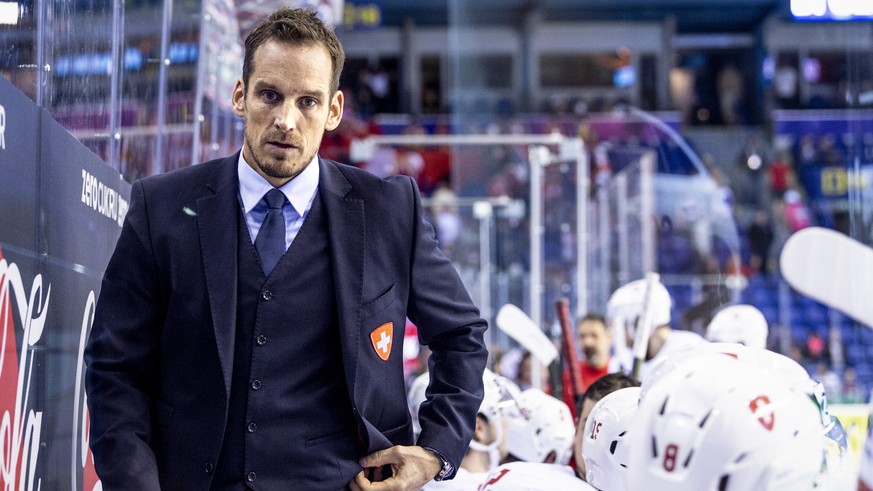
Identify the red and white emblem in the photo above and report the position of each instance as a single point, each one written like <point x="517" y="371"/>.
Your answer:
<point x="761" y="406"/>
<point x="382" y="338"/>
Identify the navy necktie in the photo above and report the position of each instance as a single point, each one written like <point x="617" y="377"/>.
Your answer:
<point x="270" y="242"/>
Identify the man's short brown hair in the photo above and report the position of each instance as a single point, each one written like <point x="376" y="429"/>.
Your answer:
<point x="295" y="27"/>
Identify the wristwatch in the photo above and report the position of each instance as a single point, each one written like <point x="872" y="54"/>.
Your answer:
<point x="445" y="466"/>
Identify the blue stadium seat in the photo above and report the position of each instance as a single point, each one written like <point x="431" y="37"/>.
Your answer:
<point x="771" y="313"/>
<point x="864" y="370"/>
<point x="814" y="315"/>
<point x="850" y="334"/>
<point x="855" y="354"/>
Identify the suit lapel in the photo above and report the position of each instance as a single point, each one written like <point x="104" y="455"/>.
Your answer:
<point x="216" y="215"/>
<point x="346" y="233"/>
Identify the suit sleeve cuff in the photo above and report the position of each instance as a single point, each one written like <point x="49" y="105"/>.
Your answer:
<point x="447" y="469"/>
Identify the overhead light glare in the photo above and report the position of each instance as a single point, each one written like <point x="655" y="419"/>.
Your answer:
<point x="9" y="13"/>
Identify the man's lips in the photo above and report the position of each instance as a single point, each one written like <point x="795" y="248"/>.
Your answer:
<point x="281" y="145"/>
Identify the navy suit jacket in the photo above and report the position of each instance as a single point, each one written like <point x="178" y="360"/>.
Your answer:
<point x="160" y="353"/>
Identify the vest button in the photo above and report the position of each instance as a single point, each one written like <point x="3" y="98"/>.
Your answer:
<point x="261" y="340"/>
<point x="251" y="476"/>
<point x="256" y="384"/>
<point x="209" y="467"/>
<point x="252" y="427"/>
<point x="267" y="295"/>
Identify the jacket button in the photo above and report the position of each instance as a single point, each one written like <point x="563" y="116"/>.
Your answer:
<point x="251" y="476"/>
<point x="209" y="467"/>
<point x="261" y="340"/>
<point x="256" y="384"/>
<point x="252" y="427"/>
<point x="267" y="295"/>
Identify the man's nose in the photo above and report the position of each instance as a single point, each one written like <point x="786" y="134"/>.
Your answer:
<point x="286" y="117"/>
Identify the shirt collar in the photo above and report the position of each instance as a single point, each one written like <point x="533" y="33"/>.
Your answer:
<point x="299" y="191"/>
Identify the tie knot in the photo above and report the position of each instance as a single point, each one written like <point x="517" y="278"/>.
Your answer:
<point x="275" y="199"/>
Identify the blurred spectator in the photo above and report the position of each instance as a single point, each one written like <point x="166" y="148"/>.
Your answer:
<point x="797" y="214"/>
<point x="505" y="169"/>
<point x="731" y="91"/>
<point x="807" y="154"/>
<point x="760" y="238"/>
<point x="595" y="341"/>
<point x="524" y="377"/>
<point x="363" y="94"/>
<point x="828" y="151"/>
<point x="780" y="175"/>
<point x="816" y="349"/>
<point x="407" y="162"/>
<point x="437" y="164"/>
<point x="335" y="144"/>
<point x="381" y="163"/>
<point x="785" y="84"/>
<point x="444" y="206"/>
<point x="379" y="82"/>
<point x="852" y="392"/>
<point x="509" y="362"/>
<point x="796" y="354"/>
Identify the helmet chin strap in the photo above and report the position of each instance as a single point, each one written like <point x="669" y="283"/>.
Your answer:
<point x="491" y="448"/>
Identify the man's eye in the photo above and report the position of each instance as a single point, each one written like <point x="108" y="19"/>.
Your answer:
<point x="269" y="96"/>
<point x="309" y="102"/>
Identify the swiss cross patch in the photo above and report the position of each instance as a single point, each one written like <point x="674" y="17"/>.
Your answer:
<point x="382" y="337"/>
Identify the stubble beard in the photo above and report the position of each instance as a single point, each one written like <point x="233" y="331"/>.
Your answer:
<point x="278" y="169"/>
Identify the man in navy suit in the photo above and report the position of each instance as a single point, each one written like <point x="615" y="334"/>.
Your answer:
<point x="222" y="360"/>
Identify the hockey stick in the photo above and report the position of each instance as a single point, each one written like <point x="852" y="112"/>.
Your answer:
<point x="568" y="348"/>
<point x="831" y="268"/>
<point x="517" y="325"/>
<point x="644" y="329"/>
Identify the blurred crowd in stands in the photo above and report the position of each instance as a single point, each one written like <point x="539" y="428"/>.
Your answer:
<point x="761" y="191"/>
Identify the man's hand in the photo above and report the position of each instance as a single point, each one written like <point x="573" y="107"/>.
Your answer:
<point x="411" y="468"/>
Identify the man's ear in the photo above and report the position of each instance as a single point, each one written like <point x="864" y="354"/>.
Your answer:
<point x="336" y="111"/>
<point x="238" y="99"/>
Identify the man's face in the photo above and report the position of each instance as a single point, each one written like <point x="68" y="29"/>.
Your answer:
<point x="579" y="438"/>
<point x="595" y="341"/>
<point x="287" y="106"/>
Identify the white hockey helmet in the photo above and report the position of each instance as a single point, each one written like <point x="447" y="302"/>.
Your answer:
<point x="499" y="400"/>
<point x="833" y="434"/>
<point x="743" y="324"/>
<point x="716" y="422"/>
<point x="626" y="305"/>
<point x="544" y="426"/>
<point x="605" y="444"/>
<point x="501" y="397"/>
<point x="666" y="364"/>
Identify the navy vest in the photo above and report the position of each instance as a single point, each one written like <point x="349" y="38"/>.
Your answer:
<point x="290" y="423"/>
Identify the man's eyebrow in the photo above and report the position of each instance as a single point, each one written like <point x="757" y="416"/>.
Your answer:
<point x="261" y="84"/>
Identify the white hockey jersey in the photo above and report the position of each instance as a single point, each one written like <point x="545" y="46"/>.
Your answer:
<point x="531" y="476"/>
<point x="464" y="480"/>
